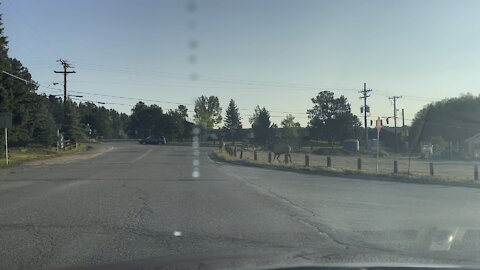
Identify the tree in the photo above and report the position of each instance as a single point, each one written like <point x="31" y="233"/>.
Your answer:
<point x="182" y="110"/>
<point x="42" y="125"/>
<point x="56" y="107"/>
<point x="208" y="112"/>
<point x="233" y="121"/>
<point x="331" y="118"/>
<point x="36" y="117"/>
<point x="452" y="119"/>
<point x="71" y="125"/>
<point x="290" y="127"/>
<point x="179" y="118"/>
<point x="261" y="125"/>
<point x="150" y="120"/>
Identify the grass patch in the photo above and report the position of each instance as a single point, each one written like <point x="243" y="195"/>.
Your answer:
<point x="335" y="171"/>
<point x="21" y="155"/>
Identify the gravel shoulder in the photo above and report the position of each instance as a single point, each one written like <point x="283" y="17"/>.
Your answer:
<point x="89" y="151"/>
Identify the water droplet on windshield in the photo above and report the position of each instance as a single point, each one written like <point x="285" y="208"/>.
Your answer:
<point x="196" y="173"/>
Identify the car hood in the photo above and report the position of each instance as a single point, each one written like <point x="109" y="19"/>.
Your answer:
<point x="286" y="258"/>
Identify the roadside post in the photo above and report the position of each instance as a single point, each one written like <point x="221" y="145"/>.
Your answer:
<point x="6" y="123"/>
<point x="307" y="160"/>
<point x="379" y="127"/>
<point x="359" y="164"/>
<point x="475" y="172"/>
<point x="58" y="139"/>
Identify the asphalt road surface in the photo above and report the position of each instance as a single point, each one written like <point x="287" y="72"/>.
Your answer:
<point x="141" y="201"/>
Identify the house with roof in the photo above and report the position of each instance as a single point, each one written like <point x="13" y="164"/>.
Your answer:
<point x="472" y="146"/>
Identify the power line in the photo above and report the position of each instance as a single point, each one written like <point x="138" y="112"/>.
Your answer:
<point x="21" y="79"/>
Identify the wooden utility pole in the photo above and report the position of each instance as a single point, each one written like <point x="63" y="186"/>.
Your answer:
<point x="364" y="96"/>
<point x="395" y="98"/>
<point x="65" y="71"/>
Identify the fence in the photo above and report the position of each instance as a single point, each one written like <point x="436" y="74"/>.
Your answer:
<point x="452" y="170"/>
<point x="69" y="144"/>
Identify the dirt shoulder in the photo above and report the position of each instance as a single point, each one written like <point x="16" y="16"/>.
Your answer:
<point x="29" y="157"/>
<point x="356" y="174"/>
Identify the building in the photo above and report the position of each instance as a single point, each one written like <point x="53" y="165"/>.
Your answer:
<point x="472" y="146"/>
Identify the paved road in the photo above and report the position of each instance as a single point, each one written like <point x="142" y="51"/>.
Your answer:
<point x="138" y="201"/>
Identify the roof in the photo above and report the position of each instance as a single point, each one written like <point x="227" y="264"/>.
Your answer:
<point x="476" y="136"/>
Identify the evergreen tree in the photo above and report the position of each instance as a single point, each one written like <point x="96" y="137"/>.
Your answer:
<point x="290" y="128"/>
<point x="42" y="123"/>
<point x="232" y="122"/>
<point x="261" y="125"/>
<point x="71" y="125"/>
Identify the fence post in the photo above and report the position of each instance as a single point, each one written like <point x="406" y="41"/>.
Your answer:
<point x="241" y="154"/>
<point x="475" y="172"/>
<point x="235" y="151"/>
<point x="269" y="157"/>
<point x="307" y="160"/>
<point x="431" y="168"/>
<point x="255" y="155"/>
<point x="329" y="161"/>
<point x="395" y="166"/>
<point x="359" y="163"/>
<point x="285" y="158"/>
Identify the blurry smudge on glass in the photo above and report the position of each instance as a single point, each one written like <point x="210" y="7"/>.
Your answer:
<point x="196" y="152"/>
<point x="191" y="8"/>
<point x="192" y="58"/>
<point x="194" y="76"/>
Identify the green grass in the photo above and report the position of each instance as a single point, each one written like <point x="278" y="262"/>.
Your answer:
<point x="21" y="155"/>
<point x="335" y="171"/>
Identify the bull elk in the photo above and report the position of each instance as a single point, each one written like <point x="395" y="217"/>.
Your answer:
<point x="279" y="149"/>
<point x="221" y="145"/>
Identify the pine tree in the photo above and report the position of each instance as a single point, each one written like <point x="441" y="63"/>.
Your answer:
<point x="71" y="125"/>
<point x="232" y="122"/>
<point x="261" y="125"/>
<point x="42" y="124"/>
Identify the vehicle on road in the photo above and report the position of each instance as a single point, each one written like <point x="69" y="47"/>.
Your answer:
<point x="153" y="139"/>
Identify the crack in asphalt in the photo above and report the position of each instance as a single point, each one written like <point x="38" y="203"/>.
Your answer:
<point x="322" y="229"/>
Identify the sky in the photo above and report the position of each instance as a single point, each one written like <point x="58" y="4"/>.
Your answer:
<point x="277" y="54"/>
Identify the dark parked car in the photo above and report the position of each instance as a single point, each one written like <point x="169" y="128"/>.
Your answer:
<point x="153" y="140"/>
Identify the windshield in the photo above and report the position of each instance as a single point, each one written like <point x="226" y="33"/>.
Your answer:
<point x="148" y="129"/>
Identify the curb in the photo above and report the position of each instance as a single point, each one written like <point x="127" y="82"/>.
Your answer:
<point x="351" y="174"/>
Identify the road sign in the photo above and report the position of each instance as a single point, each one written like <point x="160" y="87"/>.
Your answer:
<point x="6" y="123"/>
<point x="378" y="124"/>
<point x="5" y="120"/>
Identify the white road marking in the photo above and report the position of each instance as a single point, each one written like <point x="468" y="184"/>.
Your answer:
<point x="142" y="156"/>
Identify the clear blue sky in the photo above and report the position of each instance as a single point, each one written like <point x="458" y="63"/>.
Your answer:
<point x="276" y="54"/>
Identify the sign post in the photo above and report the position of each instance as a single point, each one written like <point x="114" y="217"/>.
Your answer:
<point x="379" y="127"/>
<point x="6" y="123"/>
<point x="6" y="146"/>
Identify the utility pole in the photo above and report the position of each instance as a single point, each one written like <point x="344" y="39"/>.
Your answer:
<point x="65" y="71"/>
<point x="364" y="96"/>
<point x="403" y="118"/>
<point x="395" y="98"/>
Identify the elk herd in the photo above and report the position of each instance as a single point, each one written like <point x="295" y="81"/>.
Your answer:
<point x="277" y="148"/>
